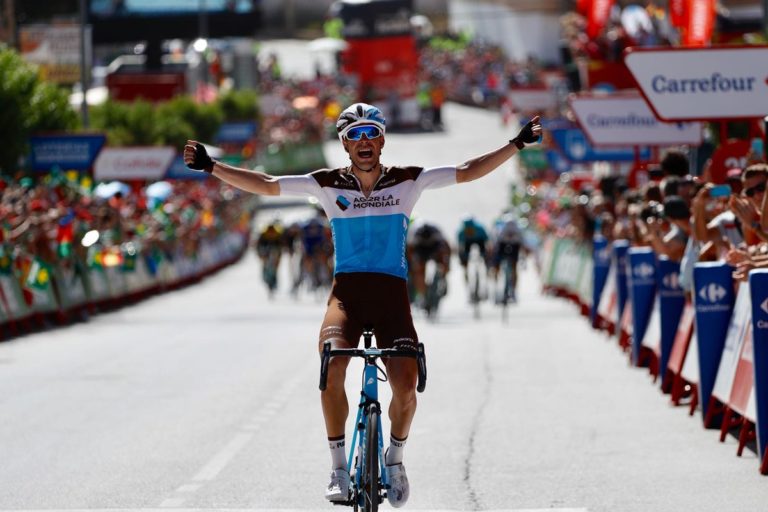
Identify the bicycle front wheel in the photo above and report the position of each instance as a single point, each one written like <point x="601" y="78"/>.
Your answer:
<point x="371" y="462"/>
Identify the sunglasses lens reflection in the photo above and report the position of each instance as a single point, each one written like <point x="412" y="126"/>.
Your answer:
<point x="370" y="132"/>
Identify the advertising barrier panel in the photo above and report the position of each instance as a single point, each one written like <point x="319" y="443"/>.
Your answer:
<point x="606" y="310"/>
<point x="734" y="340"/>
<point x="642" y="280"/>
<point x="672" y="302"/>
<point x="601" y="258"/>
<point x="620" y="248"/>
<point x="713" y="300"/>
<point x="758" y="284"/>
<point x="679" y="352"/>
<point x="652" y="337"/>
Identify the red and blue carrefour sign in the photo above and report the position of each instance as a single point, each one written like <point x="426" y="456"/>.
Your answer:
<point x="686" y="84"/>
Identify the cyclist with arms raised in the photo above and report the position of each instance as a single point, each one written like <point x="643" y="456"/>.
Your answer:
<point x="368" y="205"/>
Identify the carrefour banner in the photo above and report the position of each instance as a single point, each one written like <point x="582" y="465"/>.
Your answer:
<point x="626" y="119"/>
<point x="713" y="299"/>
<point x="601" y="260"/>
<point x="758" y="283"/>
<point x="686" y="84"/>
<point x="671" y="302"/>
<point x="620" y="248"/>
<point x="642" y="286"/>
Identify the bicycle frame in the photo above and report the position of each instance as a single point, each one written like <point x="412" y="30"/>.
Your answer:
<point x="368" y="396"/>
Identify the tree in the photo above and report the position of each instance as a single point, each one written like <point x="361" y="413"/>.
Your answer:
<point x="29" y="106"/>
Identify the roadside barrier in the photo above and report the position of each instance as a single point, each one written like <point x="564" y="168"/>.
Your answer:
<point x="642" y="289"/>
<point x="707" y="349"/>
<point x="35" y="294"/>
<point x="601" y="256"/>
<point x="671" y="298"/>
<point x="758" y="283"/>
<point x="714" y="301"/>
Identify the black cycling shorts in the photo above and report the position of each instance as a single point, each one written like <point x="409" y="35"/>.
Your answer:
<point x="360" y="299"/>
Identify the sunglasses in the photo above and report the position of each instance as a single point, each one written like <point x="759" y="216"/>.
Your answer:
<point x="356" y="133"/>
<point x="749" y="192"/>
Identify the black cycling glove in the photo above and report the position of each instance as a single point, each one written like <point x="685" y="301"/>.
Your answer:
<point x="202" y="161"/>
<point x="526" y="136"/>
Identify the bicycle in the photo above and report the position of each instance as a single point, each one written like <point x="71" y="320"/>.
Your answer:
<point x="436" y="289"/>
<point x="269" y="270"/>
<point x="509" y="277"/>
<point x="476" y="289"/>
<point x="369" y="478"/>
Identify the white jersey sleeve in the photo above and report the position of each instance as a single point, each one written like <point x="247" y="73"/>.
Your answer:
<point x="301" y="185"/>
<point x="436" y="177"/>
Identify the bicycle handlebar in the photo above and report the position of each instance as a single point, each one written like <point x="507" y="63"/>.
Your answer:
<point x="418" y="354"/>
<point x="373" y="352"/>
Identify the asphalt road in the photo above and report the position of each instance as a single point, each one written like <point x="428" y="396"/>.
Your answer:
<point x="206" y="398"/>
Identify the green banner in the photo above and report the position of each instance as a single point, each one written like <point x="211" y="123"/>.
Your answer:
<point x="292" y="158"/>
<point x="534" y="158"/>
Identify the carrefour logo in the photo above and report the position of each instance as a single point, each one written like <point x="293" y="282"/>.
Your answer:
<point x="711" y="84"/>
<point x="643" y="270"/>
<point x="712" y="292"/>
<point x="630" y="120"/>
<point x="603" y="255"/>
<point x="671" y="280"/>
<point x="762" y="324"/>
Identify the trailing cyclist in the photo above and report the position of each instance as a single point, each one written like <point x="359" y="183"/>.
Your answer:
<point x="368" y="205"/>
<point x="426" y="243"/>
<point x="318" y="248"/>
<point x="269" y="248"/>
<point x="473" y="234"/>
<point x="507" y="244"/>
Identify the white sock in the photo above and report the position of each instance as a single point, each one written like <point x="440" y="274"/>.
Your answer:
<point x="338" y="452"/>
<point x="395" y="451"/>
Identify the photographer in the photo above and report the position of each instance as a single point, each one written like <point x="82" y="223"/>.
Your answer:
<point x="668" y="227"/>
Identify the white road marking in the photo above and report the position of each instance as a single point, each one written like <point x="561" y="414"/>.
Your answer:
<point x="172" y="503"/>
<point x="221" y="459"/>
<point x="188" y="487"/>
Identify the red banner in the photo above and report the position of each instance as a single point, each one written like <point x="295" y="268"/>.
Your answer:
<point x="701" y="22"/>
<point x="583" y="6"/>
<point x="599" y="11"/>
<point x="677" y="13"/>
<point x="729" y="155"/>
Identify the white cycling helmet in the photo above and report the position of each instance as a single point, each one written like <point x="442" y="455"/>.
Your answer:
<point x="360" y="114"/>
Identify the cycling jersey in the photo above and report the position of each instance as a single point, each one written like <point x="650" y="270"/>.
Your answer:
<point x="472" y="233"/>
<point x="313" y="236"/>
<point x="369" y="233"/>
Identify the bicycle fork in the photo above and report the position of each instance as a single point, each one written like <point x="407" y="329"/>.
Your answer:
<point x="368" y="397"/>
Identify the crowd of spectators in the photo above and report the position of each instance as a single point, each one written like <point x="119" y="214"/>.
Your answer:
<point x="680" y="216"/>
<point x="475" y="72"/>
<point x="56" y="220"/>
<point x="632" y="26"/>
<point x="299" y="111"/>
